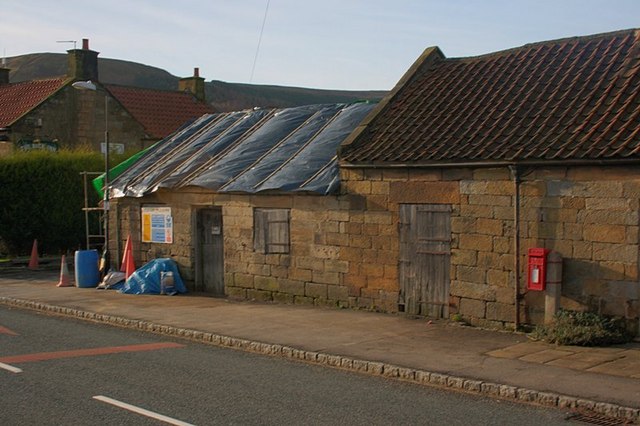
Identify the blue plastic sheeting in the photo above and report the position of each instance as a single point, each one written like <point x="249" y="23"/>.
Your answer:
<point x="125" y="183"/>
<point x="146" y="279"/>
<point x="314" y="168"/>
<point x="273" y="150"/>
<point x="232" y="134"/>
<point x="165" y="163"/>
<point x="252" y="176"/>
<point x="265" y="139"/>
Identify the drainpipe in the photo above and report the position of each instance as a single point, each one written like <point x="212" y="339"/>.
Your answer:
<point x="515" y="174"/>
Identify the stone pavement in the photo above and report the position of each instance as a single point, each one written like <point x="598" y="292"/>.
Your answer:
<point x="623" y="361"/>
<point x="604" y="381"/>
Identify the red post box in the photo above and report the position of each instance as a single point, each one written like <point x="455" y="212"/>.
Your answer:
<point x="536" y="278"/>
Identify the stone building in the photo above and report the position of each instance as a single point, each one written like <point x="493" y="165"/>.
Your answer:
<point x="470" y="162"/>
<point x="442" y="189"/>
<point x="49" y="114"/>
<point x="247" y="203"/>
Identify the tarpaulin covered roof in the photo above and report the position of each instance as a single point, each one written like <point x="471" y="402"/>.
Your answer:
<point x="277" y="150"/>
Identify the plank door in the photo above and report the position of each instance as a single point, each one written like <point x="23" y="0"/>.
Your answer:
<point x="210" y="253"/>
<point x="425" y="258"/>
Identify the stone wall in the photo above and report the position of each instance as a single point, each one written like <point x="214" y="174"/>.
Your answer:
<point x="314" y="272"/>
<point x="77" y="119"/>
<point x="588" y="215"/>
<point x="54" y="115"/>
<point x="125" y="219"/>
<point x="311" y="273"/>
<point x="345" y="249"/>
<point x="90" y="122"/>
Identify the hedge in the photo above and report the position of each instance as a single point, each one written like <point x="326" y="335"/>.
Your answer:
<point x="41" y="197"/>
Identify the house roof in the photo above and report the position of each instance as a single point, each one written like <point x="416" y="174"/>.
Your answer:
<point x="274" y="150"/>
<point x="16" y="99"/>
<point x="570" y="99"/>
<point x="160" y="112"/>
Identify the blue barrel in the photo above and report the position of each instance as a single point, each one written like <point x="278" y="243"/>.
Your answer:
<point x="86" y="268"/>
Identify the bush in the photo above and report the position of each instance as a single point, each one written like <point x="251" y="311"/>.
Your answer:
<point x="42" y="198"/>
<point x="582" y="329"/>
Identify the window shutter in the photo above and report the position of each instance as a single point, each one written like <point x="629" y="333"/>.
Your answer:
<point x="271" y="230"/>
<point x="259" y="229"/>
<point x="277" y="237"/>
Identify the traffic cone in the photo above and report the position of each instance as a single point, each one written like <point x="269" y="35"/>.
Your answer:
<point x="33" y="262"/>
<point x="128" y="265"/>
<point x="127" y="252"/>
<point x="65" y="281"/>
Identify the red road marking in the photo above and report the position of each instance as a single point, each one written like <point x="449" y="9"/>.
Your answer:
<point x="5" y="330"/>
<point x="43" y="356"/>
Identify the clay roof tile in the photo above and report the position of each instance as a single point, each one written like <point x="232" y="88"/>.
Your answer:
<point x="16" y="99"/>
<point x="561" y="99"/>
<point x="160" y="112"/>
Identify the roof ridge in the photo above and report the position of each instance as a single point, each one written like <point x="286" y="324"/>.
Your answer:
<point x="36" y="80"/>
<point x="562" y="40"/>
<point x="123" y="86"/>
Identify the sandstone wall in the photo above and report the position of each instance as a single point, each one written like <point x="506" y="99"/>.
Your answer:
<point x="344" y="249"/>
<point x="588" y="215"/>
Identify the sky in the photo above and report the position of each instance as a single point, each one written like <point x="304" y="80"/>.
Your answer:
<point x="326" y="44"/>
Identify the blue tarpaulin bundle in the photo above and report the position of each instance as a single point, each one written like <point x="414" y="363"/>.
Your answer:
<point x="147" y="279"/>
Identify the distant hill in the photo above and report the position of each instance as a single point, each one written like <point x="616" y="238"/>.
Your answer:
<point x="221" y="95"/>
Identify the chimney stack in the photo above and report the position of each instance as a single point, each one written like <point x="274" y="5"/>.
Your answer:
<point x="4" y="75"/>
<point x="4" y="72"/>
<point x="193" y="85"/>
<point x="82" y="63"/>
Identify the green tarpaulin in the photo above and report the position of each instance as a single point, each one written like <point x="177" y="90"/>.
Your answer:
<point x="114" y="172"/>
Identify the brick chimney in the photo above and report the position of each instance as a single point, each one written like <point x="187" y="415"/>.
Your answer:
<point x="82" y="63"/>
<point x="194" y="85"/>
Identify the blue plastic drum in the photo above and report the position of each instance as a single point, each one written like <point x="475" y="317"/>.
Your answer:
<point x="86" y="268"/>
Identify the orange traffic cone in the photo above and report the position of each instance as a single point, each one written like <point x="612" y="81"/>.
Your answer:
<point x="127" y="252"/>
<point x="64" y="274"/>
<point x="128" y="265"/>
<point x="33" y="262"/>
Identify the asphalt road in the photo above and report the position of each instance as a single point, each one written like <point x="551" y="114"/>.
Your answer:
<point x="72" y="370"/>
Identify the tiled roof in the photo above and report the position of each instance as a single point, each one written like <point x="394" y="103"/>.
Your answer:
<point x="17" y="99"/>
<point x="159" y="112"/>
<point x="569" y="99"/>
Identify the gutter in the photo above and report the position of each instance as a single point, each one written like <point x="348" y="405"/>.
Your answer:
<point x="506" y="163"/>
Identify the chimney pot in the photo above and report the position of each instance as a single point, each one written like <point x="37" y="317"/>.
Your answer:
<point x="85" y="44"/>
<point x="196" y="72"/>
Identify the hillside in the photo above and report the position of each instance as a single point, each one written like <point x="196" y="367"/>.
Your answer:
<point x="221" y="95"/>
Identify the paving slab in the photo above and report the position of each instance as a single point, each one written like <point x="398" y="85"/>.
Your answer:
<point x="519" y="350"/>
<point x="583" y="360"/>
<point x="546" y="356"/>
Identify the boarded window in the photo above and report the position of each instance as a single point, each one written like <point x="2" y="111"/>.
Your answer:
<point x="271" y="230"/>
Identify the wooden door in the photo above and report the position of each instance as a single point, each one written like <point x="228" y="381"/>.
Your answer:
<point x="425" y="258"/>
<point x="210" y="252"/>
